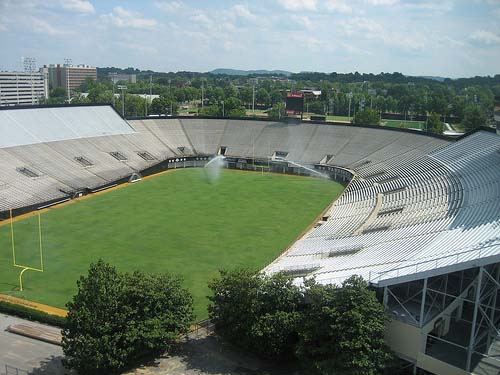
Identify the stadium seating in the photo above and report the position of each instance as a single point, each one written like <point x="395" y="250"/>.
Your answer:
<point x="415" y="202"/>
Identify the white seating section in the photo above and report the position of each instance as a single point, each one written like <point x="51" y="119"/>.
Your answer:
<point x="440" y="209"/>
<point x="416" y="203"/>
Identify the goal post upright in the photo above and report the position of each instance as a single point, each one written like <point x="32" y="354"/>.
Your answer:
<point x="25" y="268"/>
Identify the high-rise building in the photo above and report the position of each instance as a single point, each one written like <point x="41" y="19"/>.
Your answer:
<point x="22" y="88"/>
<point x="69" y="77"/>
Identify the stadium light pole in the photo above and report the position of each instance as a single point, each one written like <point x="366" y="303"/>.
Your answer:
<point x="122" y="88"/>
<point x="350" y="97"/>
<point x="253" y="100"/>
<point x="202" y="88"/>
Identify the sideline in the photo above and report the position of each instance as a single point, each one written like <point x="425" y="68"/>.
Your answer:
<point x="34" y="305"/>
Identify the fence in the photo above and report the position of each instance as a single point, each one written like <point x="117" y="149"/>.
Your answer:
<point x="11" y="370"/>
<point x="203" y="328"/>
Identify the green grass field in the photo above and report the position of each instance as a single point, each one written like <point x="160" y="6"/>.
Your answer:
<point x="177" y="222"/>
<point x="404" y="124"/>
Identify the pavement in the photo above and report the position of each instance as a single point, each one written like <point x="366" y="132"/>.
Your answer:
<point x="21" y="355"/>
<point x="197" y="354"/>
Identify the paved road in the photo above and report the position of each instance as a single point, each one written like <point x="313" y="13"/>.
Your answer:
<point x="27" y="355"/>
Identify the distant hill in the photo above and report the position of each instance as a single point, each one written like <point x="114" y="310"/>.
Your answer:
<point x="435" y="78"/>
<point x="237" y="72"/>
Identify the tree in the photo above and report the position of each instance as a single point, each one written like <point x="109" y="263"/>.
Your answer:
<point x="58" y="92"/>
<point x="164" y="105"/>
<point x="262" y="97"/>
<point x="367" y="116"/>
<point x="434" y="123"/>
<point x="116" y="318"/>
<point x="258" y="313"/>
<point x="473" y="117"/>
<point x="342" y="329"/>
<point x="210" y="111"/>
<point x="277" y="112"/>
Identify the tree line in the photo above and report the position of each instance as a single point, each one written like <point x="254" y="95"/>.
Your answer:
<point x="117" y="319"/>
<point x="469" y="101"/>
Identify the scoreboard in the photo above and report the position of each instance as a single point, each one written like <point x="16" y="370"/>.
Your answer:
<point x="294" y="104"/>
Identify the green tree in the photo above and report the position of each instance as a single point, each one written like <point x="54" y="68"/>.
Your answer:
<point x="473" y="117"/>
<point x="164" y="105"/>
<point x="277" y="112"/>
<point x="262" y="97"/>
<point x="210" y="111"/>
<point x="134" y="106"/>
<point x="258" y="313"/>
<point x="58" y="92"/>
<point x="116" y="318"/>
<point x="367" y="116"/>
<point x="434" y="123"/>
<point x="342" y="329"/>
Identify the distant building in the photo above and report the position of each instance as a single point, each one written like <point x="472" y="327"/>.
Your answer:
<point x="22" y="88"/>
<point x="69" y="77"/>
<point x="311" y="93"/>
<point x="116" y="77"/>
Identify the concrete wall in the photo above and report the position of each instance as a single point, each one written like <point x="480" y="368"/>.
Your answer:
<point x="436" y="366"/>
<point x="404" y="339"/>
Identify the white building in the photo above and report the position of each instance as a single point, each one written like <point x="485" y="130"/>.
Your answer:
<point x="22" y="88"/>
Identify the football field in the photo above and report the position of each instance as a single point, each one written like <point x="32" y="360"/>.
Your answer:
<point x="178" y="222"/>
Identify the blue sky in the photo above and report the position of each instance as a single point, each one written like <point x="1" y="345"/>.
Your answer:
<point x="448" y="37"/>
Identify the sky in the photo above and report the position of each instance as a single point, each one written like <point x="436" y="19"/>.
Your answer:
<point x="451" y="38"/>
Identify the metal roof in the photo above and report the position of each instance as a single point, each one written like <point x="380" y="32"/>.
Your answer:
<point x="25" y="126"/>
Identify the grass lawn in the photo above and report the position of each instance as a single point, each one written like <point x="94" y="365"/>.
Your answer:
<point x="404" y="124"/>
<point x="338" y="118"/>
<point x="177" y="222"/>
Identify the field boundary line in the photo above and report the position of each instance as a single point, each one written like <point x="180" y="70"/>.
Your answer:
<point x="34" y="305"/>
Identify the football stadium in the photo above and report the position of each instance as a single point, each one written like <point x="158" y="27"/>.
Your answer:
<point x="416" y="215"/>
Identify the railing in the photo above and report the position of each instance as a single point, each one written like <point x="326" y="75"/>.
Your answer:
<point x="200" y="329"/>
<point x="11" y="370"/>
<point x="432" y="264"/>
<point x="418" y="267"/>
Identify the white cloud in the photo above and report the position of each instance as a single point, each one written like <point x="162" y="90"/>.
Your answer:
<point x="201" y="19"/>
<point x="241" y="10"/>
<point x="2" y="27"/>
<point x="43" y="27"/>
<point x="381" y="2"/>
<point x="338" y="6"/>
<point x="298" y="4"/>
<point x="361" y="26"/>
<point x="138" y="47"/>
<point x="435" y="6"/>
<point x="127" y="18"/>
<point x="79" y="6"/>
<point x="496" y="12"/>
<point x="303" y="21"/>
<point x="485" y="37"/>
<point x="170" y="6"/>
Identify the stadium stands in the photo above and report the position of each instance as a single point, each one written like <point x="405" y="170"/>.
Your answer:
<point x="418" y="209"/>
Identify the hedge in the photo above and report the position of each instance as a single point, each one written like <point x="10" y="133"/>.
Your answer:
<point x="32" y="314"/>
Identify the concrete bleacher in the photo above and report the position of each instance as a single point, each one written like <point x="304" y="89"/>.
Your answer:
<point x="410" y="198"/>
<point x="445" y="212"/>
<point x="205" y="135"/>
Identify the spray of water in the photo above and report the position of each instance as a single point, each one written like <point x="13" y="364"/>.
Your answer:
<point x="313" y="171"/>
<point x="213" y="168"/>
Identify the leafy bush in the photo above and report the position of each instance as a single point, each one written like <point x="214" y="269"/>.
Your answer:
<point x="32" y="314"/>
<point x="330" y="330"/>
